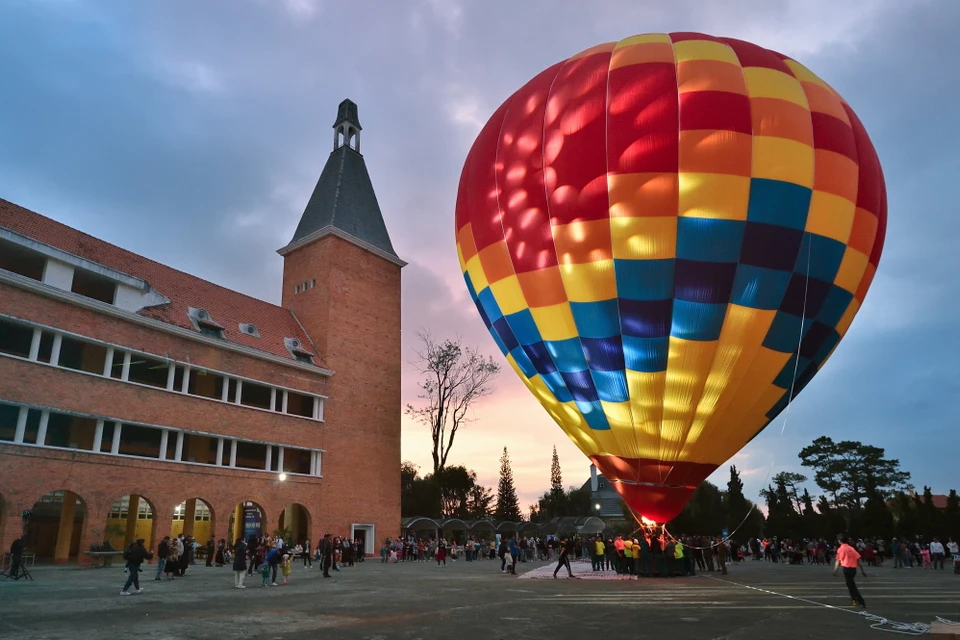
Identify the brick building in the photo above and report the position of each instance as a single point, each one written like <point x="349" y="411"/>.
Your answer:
<point x="139" y="401"/>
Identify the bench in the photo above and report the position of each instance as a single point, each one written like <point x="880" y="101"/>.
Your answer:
<point x="106" y="557"/>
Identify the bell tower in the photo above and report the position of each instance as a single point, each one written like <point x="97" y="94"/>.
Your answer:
<point x="341" y="279"/>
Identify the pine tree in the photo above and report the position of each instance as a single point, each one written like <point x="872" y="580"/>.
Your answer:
<point x="556" y="481"/>
<point x="508" y="507"/>
<point x="951" y="515"/>
<point x="737" y="505"/>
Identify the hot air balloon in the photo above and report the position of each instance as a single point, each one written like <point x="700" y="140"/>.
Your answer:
<point x="667" y="237"/>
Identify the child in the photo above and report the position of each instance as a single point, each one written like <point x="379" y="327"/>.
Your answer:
<point x="286" y="568"/>
<point x="925" y="554"/>
<point x="265" y="573"/>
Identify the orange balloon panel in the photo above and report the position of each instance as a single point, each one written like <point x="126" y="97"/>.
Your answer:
<point x="667" y="236"/>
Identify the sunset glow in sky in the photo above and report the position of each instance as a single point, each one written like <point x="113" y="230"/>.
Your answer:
<point x="194" y="133"/>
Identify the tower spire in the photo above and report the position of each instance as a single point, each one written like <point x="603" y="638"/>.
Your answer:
<point x="346" y="130"/>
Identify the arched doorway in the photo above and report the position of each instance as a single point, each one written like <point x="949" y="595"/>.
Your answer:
<point x="247" y="519"/>
<point x="193" y="518"/>
<point x="131" y="517"/>
<point x="294" y="524"/>
<point x="54" y="527"/>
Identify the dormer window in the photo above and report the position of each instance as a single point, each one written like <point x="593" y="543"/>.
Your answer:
<point x="249" y="329"/>
<point x="202" y="322"/>
<point x="298" y="351"/>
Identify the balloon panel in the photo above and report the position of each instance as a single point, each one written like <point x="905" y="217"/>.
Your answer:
<point x="663" y="236"/>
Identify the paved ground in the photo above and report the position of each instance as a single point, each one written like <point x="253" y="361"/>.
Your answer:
<point x="467" y="600"/>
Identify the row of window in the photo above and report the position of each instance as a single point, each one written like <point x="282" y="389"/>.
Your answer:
<point x="33" y="265"/>
<point x="20" y="424"/>
<point x="121" y="508"/>
<point x="70" y="352"/>
<point x="306" y="284"/>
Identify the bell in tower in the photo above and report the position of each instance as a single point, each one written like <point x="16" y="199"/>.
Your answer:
<point x="346" y="130"/>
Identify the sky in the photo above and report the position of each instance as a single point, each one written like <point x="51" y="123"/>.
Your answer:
<point x="193" y="133"/>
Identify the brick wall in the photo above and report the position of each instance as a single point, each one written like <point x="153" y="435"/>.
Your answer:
<point x="353" y="317"/>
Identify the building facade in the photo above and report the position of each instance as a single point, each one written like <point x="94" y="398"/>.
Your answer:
<point x="140" y="401"/>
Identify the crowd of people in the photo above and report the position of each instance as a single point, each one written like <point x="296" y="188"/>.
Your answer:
<point x="268" y="556"/>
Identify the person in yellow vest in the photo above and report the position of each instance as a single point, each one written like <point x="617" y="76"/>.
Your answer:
<point x="598" y="549"/>
<point x="628" y="556"/>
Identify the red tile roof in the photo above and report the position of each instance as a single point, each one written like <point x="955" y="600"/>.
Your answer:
<point x="226" y="307"/>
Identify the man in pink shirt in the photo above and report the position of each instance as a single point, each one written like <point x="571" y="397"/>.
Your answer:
<point x="849" y="559"/>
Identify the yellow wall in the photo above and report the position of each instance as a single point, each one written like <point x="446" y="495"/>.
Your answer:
<point x="143" y="531"/>
<point x="201" y="531"/>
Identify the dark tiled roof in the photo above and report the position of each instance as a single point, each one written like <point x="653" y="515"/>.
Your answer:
<point x="226" y="307"/>
<point x="344" y="199"/>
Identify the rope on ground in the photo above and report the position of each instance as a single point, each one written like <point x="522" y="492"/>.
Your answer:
<point x="877" y="622"/>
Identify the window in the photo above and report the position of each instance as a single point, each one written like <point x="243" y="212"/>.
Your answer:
<point x="46" y="347"/>
<point x="297" y="460"/>
<point x="70" y="432"/>
<point x="9" y="414"/>
<point x="82" y="356"/>
<point x="211" y="332"/>
<point x="205" y="384"/>
<point x="302" y="357"/>
<point x="143" y="442"/>
<point x="299" y="404"/>
<point x="20" y="260"/>
<point x="313" y="283"/>
<point x="255" y="395"/>
<point x="296" y="289"/>
<point x="116" y="365"/>
<point x="201" y="512"/>
<point x="121" y="508"/>
<point x="93" y="285"/>
<point x="251" y="455"/>
<point x="33" y="426"/>
<point x="144" y="370"/>
<point x="199" y="449"/>
<point x="15" y="339"/>
<point x="106" y="442"/>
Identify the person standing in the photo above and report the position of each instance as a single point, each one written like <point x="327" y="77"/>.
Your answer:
<point x="163" y="552"/>
<point x="326" y="553"/>
<point x="564" y="559"/>
<point x="239" y="563"/>
<point x="135" y="557"/>
<point x="722" y="556"/>
<point x="849" y="560"/>
<point x="307" y="562"/>
<point x="936" y="552"/>
<point x="211" y="548"/>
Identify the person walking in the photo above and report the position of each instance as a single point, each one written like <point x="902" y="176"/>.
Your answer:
<point x="239" y="563"/>
<point x="564" y="559"/>
<point x="849" y="560"/>
<point x="135" y="557"/>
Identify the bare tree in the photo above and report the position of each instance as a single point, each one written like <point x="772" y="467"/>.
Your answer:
<point x="454" y="376"/>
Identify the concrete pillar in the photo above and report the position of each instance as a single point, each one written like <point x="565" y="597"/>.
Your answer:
<point x="108" y="363"/>
<point x="42" y="430"/>
<point x="219" y="452"/>
<point x="68" y="510"/>
<point x="132" y="510"/>
<point x="125" y="370"/>
<point x="283" y="402"/>
<point x="178" y="453"/>
<point x="164" y="442"/>
<point x="269" y="460"/>
<point x="273" y="398"/>
<point x="280" y="459"/>
<point x="171" y="374"/>
<point x="21" y="427"/>
<point x="35" y="343"/>
<point x="233" y="455"/>
<point x="186" y="379"/>
<point x="98" y="436"/>
<point x="55" y="351"/>
<point x="236" y="400"/>
<point x="237" y="522"/>
<point x="189" y="516"/>
<point x="225" y="390"/>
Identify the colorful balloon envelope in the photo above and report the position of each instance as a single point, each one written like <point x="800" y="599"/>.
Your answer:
<point x="667" y="237"/>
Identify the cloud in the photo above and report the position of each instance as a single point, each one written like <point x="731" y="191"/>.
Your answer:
<point x="192" y="75"/>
